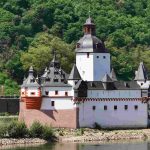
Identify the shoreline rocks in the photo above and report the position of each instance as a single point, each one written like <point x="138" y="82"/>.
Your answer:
<point x="94" y="135"/>
<point x="12" y="141"/>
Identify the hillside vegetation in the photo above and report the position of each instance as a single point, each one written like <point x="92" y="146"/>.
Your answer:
<point x="31" y="29"/>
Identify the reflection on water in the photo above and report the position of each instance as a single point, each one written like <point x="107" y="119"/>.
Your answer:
<point x="74" y="146"/>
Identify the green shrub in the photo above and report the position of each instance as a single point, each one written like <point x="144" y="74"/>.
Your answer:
<point x="36" y="130"/>
<point x="97" y="126"/>
<point x="48" y="133"/>
<point x="79" y="132"/>
<point x="17" y="129"/>
<point x="3" y="131"/>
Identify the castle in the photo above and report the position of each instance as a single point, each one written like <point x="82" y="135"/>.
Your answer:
<point x="90" y="94"/>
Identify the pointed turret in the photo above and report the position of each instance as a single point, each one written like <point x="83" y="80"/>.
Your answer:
<point x="74" y="75"/>
<point x="31" y="70"/>
<point x="55" y="63"/>
<point x="106" y="78"/>
<point x="108" y="83"/>
<point x="113" y="75"/>
<point x="30" y="81"/>
<point x="141" y="73"/>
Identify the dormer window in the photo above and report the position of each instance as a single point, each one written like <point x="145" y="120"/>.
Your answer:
<point x="55" y="80"/>
<point x="48" y="79"/>
<point x="32" y="80"/>
<point x="62" y="80"/>
<point x="56" y="72"/>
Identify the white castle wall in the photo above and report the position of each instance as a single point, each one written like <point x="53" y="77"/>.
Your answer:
<point x="61" y="101"/>
<point x="60" y="104"/>
<point x="94" y="67"/>
<point x="85" y="66"/>
<point x="114" y="93"/>
<point x="101" y="65"/>
<point x="29" y="92"/>
<point x="111" y="118"/>
<point x="61" y="91"/>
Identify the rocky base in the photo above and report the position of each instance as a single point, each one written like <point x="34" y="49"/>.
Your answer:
<point x="10" y="141"/>
<point x="94" y="135"/>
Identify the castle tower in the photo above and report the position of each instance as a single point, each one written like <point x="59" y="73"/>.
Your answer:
<point x="92" y="58"/>
<point x="31" y="92"/>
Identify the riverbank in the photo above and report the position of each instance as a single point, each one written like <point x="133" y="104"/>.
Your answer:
<point x="12" y="141"/>
<point x="95" y="135"/>
<point x="84" y="135"/>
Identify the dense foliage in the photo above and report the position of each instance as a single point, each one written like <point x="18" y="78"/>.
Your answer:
<point x="30" y="29"/>
<point x="17" y="129"/>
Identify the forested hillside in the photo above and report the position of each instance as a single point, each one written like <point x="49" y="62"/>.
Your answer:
<point x="30" y="29"/>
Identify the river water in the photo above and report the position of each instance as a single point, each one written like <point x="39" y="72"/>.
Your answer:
<point x="90" y="146"/>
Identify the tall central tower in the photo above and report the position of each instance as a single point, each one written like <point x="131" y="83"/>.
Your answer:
<point x="92" y="58"/>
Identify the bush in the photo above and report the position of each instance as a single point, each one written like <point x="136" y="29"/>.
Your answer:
<point x="80" y="132"/>
<point x="36" y="130"/>
<point x="3" y="131"/>
<point x="17" y="129"/>
<point x="97" y="126"/>
<point x="48" y="133"/>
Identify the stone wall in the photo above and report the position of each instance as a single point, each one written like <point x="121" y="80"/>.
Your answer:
<point x="9" y="104"/>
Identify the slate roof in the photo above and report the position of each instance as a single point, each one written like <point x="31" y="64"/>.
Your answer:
<point x="30" y="81"/>
<point x="54" y="75"/>
<point x="106" y="78"/>
<point x="74" y="75"/>
<point x="89" y="42"/>
<point x="141" y="73"/>
<point x="117" y="85"/>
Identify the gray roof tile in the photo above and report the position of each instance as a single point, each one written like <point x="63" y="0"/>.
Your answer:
<point x="74" y="75"/>
<point x="141" y="73"/>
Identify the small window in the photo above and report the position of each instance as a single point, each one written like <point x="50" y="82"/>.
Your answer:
<point x="56" y="92"/>
<point x="105" y="107"/>
<point x="115" y="107"/>
<point x="22" y="93"/>
<point x="32" y="80"/>
<point x="52" y="103"/>
<point x="125" y="107"/>
<point x="48" y="79"/>
<point x="104" y="57"/>
<point x="94" y="107"/>
<point x="66" y="93"/>
<point x="32" y="93"/>
<point x="97" y="56"/>
<point x="46" y="92"/>
<point x="88" y="54"/>
<point x="56" y="72"/>
<point x="136" y="107"/>
<point x="55" y="80"/>
<point x="62" y="80"/>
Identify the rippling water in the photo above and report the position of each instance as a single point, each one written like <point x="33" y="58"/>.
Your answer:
<point x="74" y="146"/>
